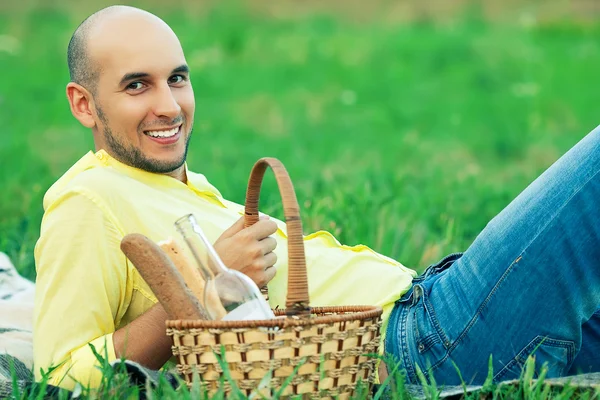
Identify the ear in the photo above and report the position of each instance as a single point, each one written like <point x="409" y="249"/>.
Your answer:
<point x="81" y="103"/>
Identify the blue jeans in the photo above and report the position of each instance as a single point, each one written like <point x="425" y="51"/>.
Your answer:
<point x="529" y="284"/>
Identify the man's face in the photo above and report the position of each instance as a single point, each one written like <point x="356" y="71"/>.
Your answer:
<point x="144" y="99"/>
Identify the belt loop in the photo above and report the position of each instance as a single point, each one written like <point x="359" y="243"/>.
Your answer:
<point x="417" y="293"/>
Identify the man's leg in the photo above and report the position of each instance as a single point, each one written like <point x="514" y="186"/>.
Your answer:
<point x="525" y="286"/>
<point x="588" y="358"/>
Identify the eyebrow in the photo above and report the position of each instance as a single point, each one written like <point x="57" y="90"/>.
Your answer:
<point x="183" y="68"/>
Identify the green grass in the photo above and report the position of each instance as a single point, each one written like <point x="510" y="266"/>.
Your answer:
<point x="405" y="136"/>
<point x="531" y="385"/>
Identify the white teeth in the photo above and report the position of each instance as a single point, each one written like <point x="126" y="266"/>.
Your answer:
<point x="163" y="134"/>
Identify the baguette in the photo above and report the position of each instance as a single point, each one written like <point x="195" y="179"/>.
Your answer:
<point x="161" y="275"/>
<point x="191" y="275"/>
<point x="193" y="279"/>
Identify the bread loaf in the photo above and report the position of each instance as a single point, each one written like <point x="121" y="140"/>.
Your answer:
<point x="193" y="279"/>
<point x="161" y="275"/>
<point x="191" y="275"/>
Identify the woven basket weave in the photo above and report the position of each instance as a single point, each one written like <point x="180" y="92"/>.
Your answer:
<point x="328" y="347"/>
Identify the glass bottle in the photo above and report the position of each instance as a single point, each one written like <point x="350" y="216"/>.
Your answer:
<point x="228" y="294"/>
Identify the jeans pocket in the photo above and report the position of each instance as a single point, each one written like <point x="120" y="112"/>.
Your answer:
<point x="424" y="334"/>
<point x="557" y="354"/>
<point x="428" y="344"/>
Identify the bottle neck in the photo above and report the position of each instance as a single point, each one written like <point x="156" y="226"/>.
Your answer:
<point x="207" y="258"/>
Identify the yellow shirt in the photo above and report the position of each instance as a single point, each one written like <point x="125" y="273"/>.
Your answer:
<point x="86" y="288"/>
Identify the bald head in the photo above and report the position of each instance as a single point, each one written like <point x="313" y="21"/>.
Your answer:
<point x="83" y="66"/>
<point x="130" y="84"/>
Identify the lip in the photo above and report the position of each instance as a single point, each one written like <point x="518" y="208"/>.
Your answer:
<point x="169" y="140"/>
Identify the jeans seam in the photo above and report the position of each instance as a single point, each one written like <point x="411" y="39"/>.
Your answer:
<point x="416" y="332"/>
<point x="521" y="356"/>
<point x="434" y="321"/>
<point x="482" y="305"/>
<point x="405" y="353"/>
<point x="560" y="343"/>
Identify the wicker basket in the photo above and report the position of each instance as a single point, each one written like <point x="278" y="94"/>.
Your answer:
<point x="316" y="353"/>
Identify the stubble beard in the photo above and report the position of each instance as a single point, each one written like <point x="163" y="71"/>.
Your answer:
<point x="132" y="156"/>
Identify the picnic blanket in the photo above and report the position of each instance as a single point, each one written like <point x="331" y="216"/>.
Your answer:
<point x="16" y="336"/>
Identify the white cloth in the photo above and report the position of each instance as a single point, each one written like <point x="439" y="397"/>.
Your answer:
<point x="16" y="313"/>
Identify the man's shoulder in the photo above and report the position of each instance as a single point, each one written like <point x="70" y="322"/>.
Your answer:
<point x="90" y="180"/>
<point x="102" y="183"/>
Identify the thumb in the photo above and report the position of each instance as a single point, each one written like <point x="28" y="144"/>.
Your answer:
<point x="233" y="229"/>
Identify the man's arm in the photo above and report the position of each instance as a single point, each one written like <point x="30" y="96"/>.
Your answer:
<point x="83" y="291"/>
<point x="145" y="340"/>
<point x="82" y="288"/>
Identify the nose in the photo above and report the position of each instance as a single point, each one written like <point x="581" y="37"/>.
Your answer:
<point x="166" y="104"/>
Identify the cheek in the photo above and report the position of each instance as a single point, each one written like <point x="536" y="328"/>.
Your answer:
<point x="187" y="103"/>
<point x="130" y="114"/>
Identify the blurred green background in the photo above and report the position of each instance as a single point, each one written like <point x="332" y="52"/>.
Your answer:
<point x="405" y="125"/>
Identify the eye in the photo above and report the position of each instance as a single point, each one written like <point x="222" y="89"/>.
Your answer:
<point x="135" y="86"/>
<point x="175" y="79"/>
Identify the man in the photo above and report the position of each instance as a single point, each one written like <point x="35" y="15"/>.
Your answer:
<point x="529" y="283"/>
<point x="136" y="97"/>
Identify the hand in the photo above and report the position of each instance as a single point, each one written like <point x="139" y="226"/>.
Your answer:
<point x="250" y="250"/>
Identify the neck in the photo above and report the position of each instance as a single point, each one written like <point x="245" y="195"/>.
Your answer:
<point x="178" y="174"/>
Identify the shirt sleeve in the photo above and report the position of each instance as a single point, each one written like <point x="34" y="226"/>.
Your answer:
<point x="81" y="290"/>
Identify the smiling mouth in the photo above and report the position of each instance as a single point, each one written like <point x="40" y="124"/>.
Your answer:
<point x="164" y="133"/>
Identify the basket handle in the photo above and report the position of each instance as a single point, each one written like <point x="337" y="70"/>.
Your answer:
<point x="297" y="301"/>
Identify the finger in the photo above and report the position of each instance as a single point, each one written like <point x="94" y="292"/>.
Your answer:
<point x="233" y="229"/>
<point x="268" y="244"/>
<point x="262" y="229"/>
<point x="269" y="275"/>
<point x="269" y="260"/>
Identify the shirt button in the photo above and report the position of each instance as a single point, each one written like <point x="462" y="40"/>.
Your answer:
<point x="421" y="347"/>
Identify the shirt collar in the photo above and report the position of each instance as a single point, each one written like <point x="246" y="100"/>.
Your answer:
<point x="195" y="181"/>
